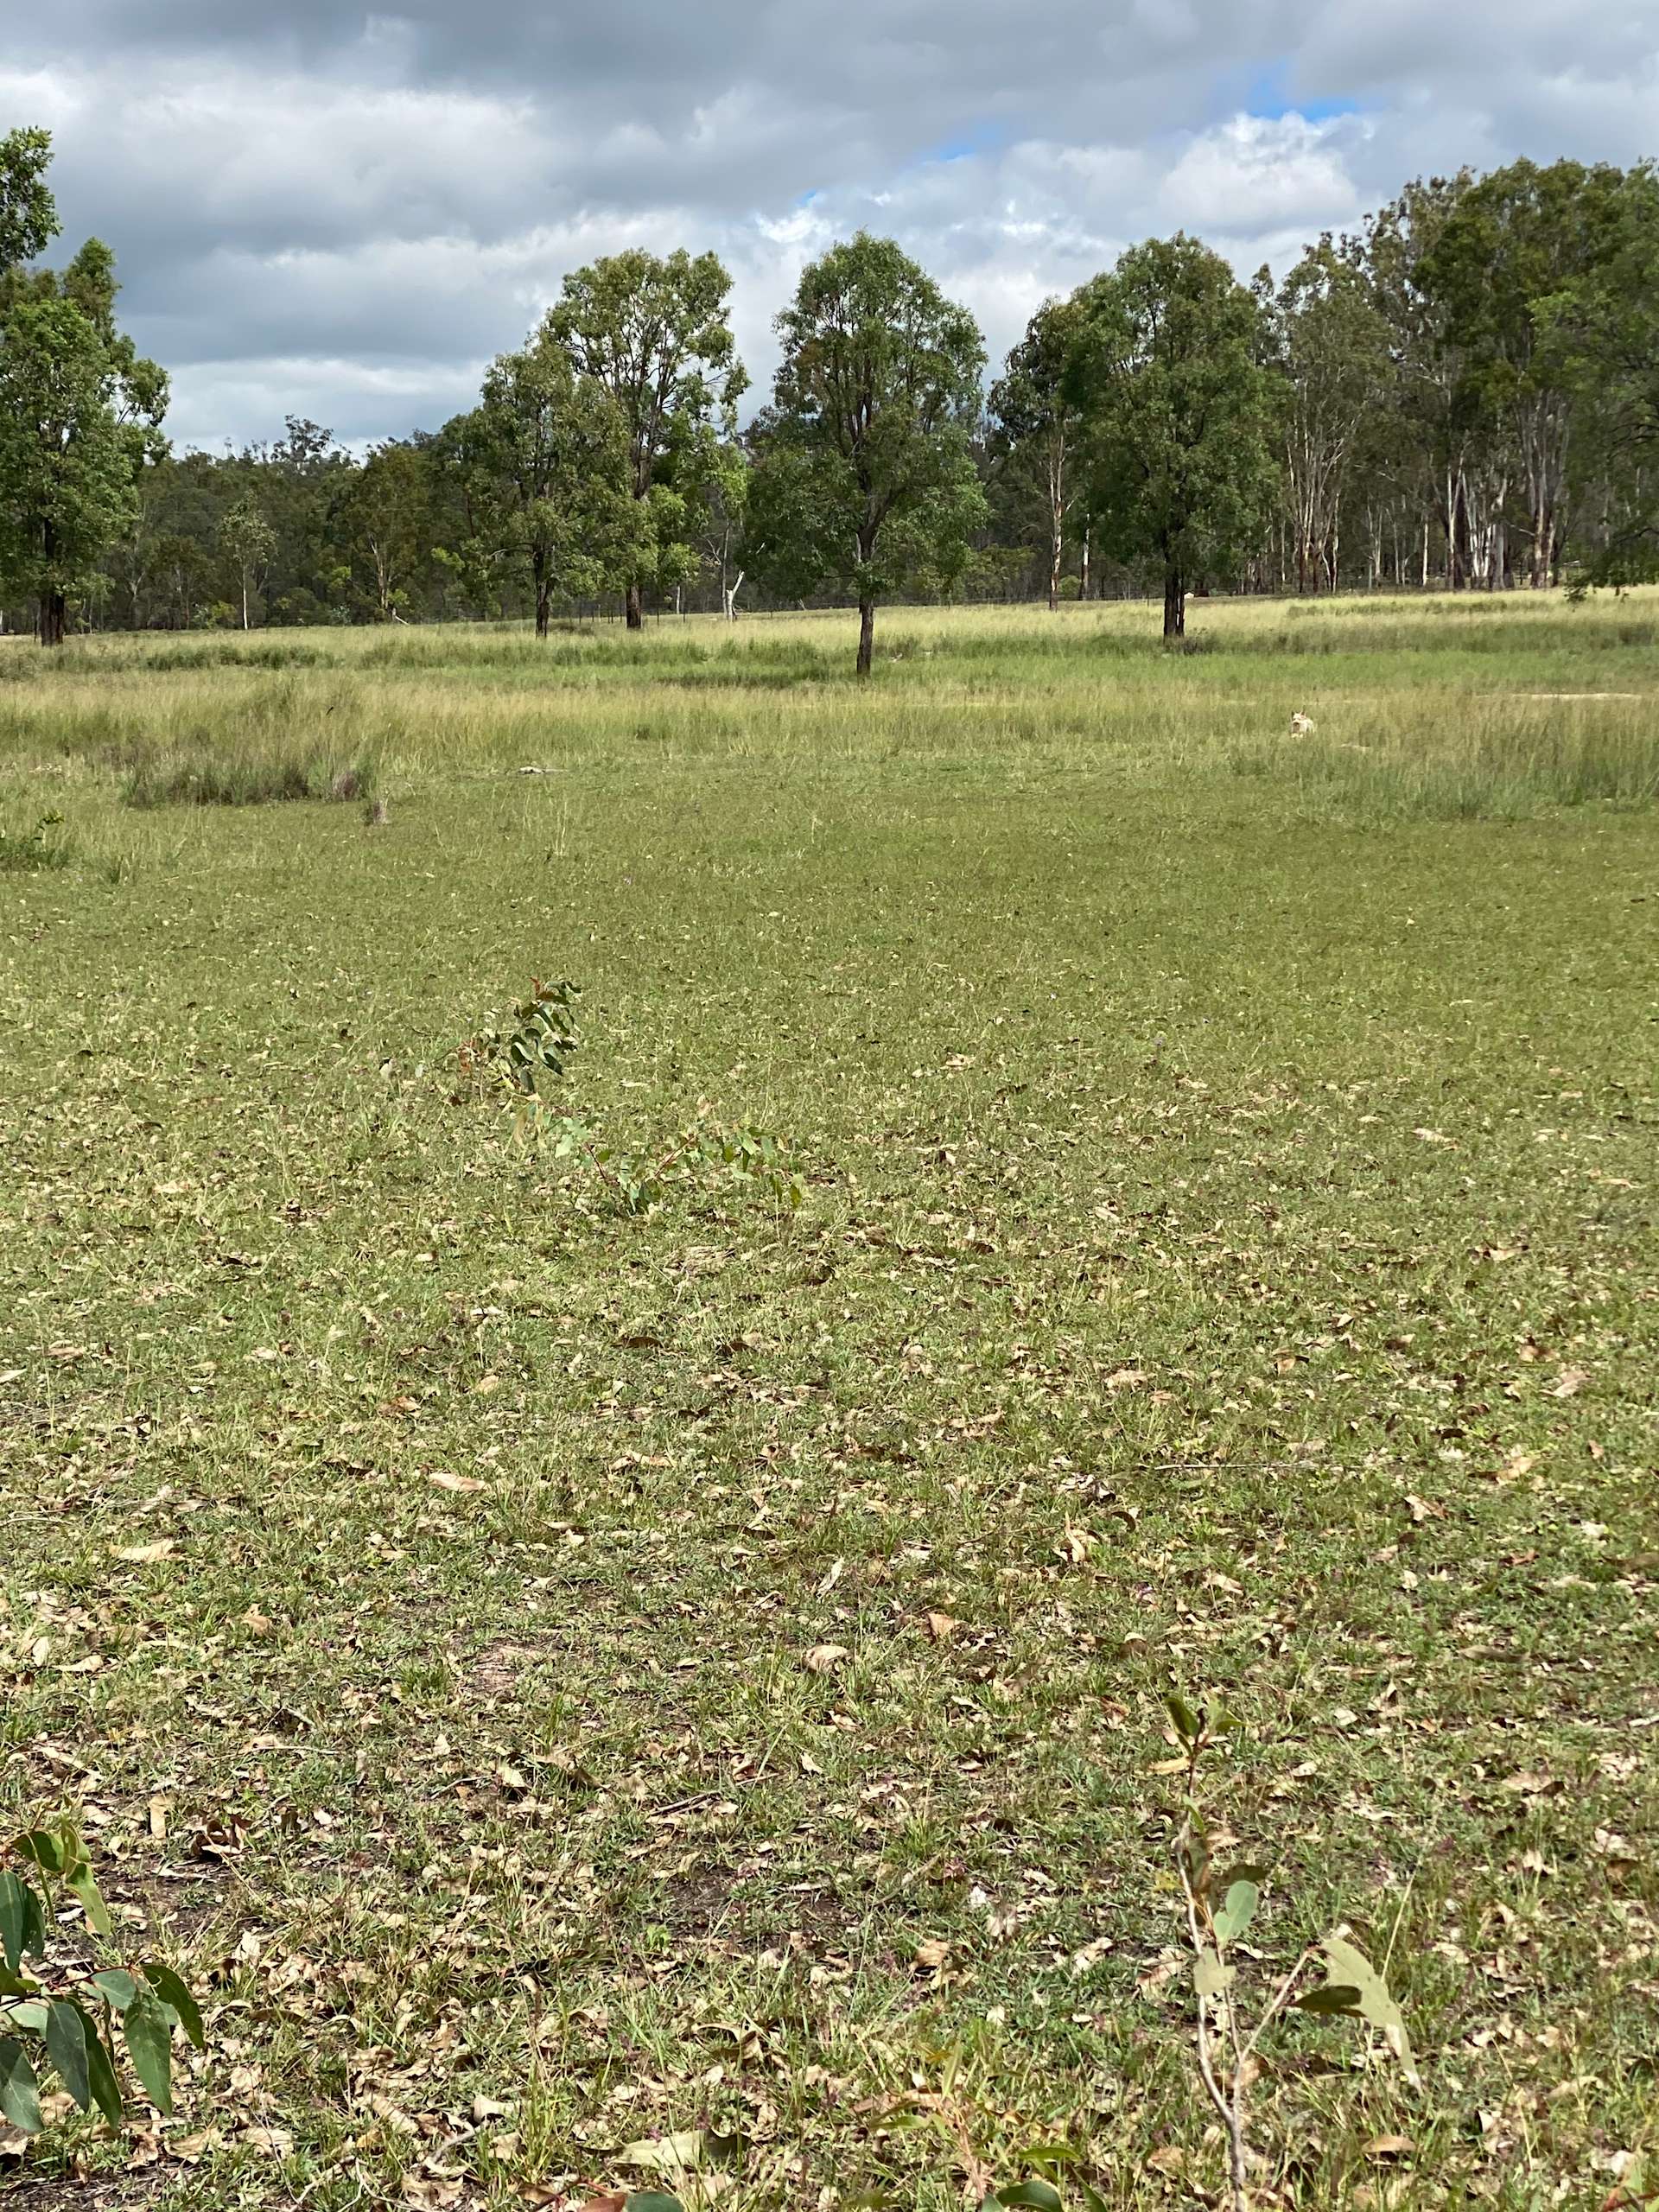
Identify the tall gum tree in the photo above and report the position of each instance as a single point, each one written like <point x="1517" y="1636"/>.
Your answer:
<point x="1036" y="425"/>
<point x="865" y="474"/>
<point x="1167" y="370"/>
<point x="544" y="461"/>
<point x="80" y="410"/>
<point x="1520" y="237"/>
<point x="1602" y="338"/>
<point x="1423" y="441"/>
<point x="386" y="517"/>
<point x="1331" y="346"/>
<point x="655" y="332"/>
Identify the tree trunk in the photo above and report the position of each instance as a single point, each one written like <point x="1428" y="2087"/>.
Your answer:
<point x="1174" y="604"/>
<point x="1056" y="530"/>
<point x="543" y="599"/>
<point x="54" y="615"/>
<point x="244" y="599"/>
<point x="866" y="635"/>
<point x="1083" y="579"/>
<point x="636" y="607"/>
<point x="1460" y="552"/>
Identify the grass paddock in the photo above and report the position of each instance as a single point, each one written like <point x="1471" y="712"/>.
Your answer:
<point x="1226" y="1263"/>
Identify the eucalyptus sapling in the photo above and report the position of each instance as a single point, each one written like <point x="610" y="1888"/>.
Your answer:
<point x="1219" y="1908"/>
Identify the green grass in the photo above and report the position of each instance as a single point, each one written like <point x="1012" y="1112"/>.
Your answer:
<point x="41" y="845"/>
<point x="1227" y="1262"/>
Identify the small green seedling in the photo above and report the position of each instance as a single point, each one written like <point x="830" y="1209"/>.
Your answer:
<point x="59" y="2014"/>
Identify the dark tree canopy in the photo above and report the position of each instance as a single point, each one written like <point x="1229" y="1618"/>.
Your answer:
<point x="1167" y="367"/>
<point x="545" y="460"/>
<point x="80" y="410"/>
<point x="655" y="334"/>
<point x="866" y="470"/>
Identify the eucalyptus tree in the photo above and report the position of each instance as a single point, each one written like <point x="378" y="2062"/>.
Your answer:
<point x="248" y="542"/>
<point x="548" y="497"/>
<point x="1601" y="339"/>
<point x="385" y="518"/>
<point x="1037" y="426"/>
<point x="1331" y="346"/>
<point x="1166" y="368"/>
<point x="655" y="333"/>
<point x="1521" y="246"/>
<point x="80" y="410"/>
<point x="865" y="475"/>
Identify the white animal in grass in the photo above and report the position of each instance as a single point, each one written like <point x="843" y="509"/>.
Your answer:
<point x="1302" y="725"/>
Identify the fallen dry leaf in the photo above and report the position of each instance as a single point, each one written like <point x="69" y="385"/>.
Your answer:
<point x="440" y="1478"/>
<point x="667" y="2154"/>
<point x="824" y="1658"/>
<point x="146" y="1554"/>
<point x="1519" y="1462"/>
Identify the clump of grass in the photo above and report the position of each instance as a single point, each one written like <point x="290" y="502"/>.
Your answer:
<point x="248" y="778"/>
<point x="43" y="847"/>
<point x="1497" y="766"/>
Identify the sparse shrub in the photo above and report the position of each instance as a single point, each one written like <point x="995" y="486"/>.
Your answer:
<point x="44" y="846"/>
<point x="59" y="2009"/>
<point x="539" y="1041"/>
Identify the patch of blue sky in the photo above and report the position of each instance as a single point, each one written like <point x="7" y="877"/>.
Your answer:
<point x="963" y="145"/>
<point x="1266" y="94"/>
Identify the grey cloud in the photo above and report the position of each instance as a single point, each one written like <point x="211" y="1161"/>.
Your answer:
<point x="345" y="211"/>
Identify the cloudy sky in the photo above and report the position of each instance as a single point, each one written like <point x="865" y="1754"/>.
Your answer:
<point x="327" y="212"/>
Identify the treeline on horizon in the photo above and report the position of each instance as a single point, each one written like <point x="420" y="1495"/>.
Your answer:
<point x="1463" y="395"/>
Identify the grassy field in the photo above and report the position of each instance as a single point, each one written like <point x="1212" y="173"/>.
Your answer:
<point x="558" y="1678"/>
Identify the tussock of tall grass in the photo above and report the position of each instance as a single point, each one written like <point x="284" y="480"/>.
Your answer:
<point x="1495" y="764"/>
<point x="249" y="776"/>
<point x="164" y="654"/>
<point x="219" y="739"/>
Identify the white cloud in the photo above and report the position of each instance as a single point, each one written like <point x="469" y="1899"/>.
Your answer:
<point x="1258" y="173"/>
